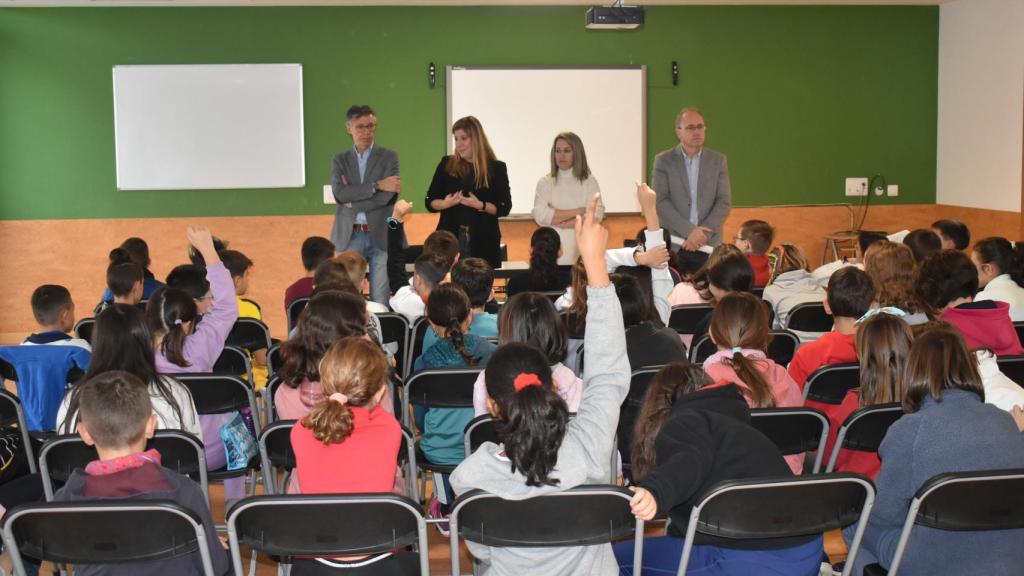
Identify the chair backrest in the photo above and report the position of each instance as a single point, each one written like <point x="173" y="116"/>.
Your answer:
<point x="394" y="327"/>
<point x="179" y="451"/>
<point x="326" y="525"/>
<point x="864" y="430"/>
<point x="269" y="409"/>
<point x="1013" y="367"/>
<point x="440" y="388"/>
<point x="233" y="360"/>
<point x="765" y="508"/>
<point x="794" y="430"/>
<point x="417" y="332"/>
<point x="686" y="317"/>
<point x="276" y="452"/>
<point x="829" y="384"/>
<point x="809" y="317"/>
<point x="702" y="349"/>
<point x="11" y="414"/>
<point x="250" y="334"/>
<point x="965" y="501"/>
<point x="274" y="360"/>
<point x="600" y="514"/>
<point x="132" y="531"/>
<point x="84" y="328"/>
<point x="1019" y="327"/>
<point x="781" y="349"/>
<point x="295" y="308"/>
<point x="628" y="412"/>
<point x="479" y="430"/>
<point x="220" y="394"/>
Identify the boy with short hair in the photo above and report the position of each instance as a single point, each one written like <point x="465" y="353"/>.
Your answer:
<point x="356" y="267"/>
<point x="476" y="278"/>
<point x="239" y="265"/>
<point x="850" y="293"/>
<point x="54" y="311"/>
<point x="411" y="300"/>
<point x="315" y="250"/>
<point x="754" y="240"/>
<point x="115" y="415"/>
<point x="954" y="234"/>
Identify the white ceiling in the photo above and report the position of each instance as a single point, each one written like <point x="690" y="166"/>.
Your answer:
<point x="87" y="3"/>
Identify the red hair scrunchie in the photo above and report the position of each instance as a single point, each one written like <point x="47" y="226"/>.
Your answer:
<point x="524" y="380"/>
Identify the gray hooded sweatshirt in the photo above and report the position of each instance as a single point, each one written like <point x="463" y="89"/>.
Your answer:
<point x="583" y="458"/>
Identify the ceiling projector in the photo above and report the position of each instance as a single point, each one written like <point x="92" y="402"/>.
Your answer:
<point x="615" y="17"/>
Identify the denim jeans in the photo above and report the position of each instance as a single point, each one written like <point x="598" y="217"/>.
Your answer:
<point x="362" y="243"/>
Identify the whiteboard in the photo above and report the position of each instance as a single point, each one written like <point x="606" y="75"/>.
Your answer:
<point x="180" y="127"/>
<point x="523" y="109"/>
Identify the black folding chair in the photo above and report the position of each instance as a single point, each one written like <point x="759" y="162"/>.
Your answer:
<point x="787" y="507"/>
<point x="1012" y="367"/>
<point x="600" y="514"/>
<point x="394" y="327"/>
<point x="685" y="317"/>
<point x="295" y="308"/>
<point x="179" y="451"/>
<point x="309" y="526"/>
<point x="274" y="360"/>
<point x="250" y="334"/>
<point x="439" y="388"/>
<point x="864" y="430"/>
<point x="12" y="414"/>
<point x="221" y="394"/>
<point x="479" y="430"/>
<point x="781" y="348"/>
<point x="628" y="412"/>
<point x="104" y="532"/>
<point x="809" y="317"/>
<point x="962" y="501"/>
<point x="416" y="334"/>
<point x="1019" y="327"/>
<point x="84" y="328"/>
<point x="829" y="384"/>
<point x="269" y="409"/>
<point x="234" y="361"/>
<point x="794" y="430"/>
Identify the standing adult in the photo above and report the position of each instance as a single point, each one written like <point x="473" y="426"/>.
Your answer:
<point x="692" y="183"/>
<point x="470" y="190"/>
<point x="564" y="192"/>
<point x="365" y="183"/>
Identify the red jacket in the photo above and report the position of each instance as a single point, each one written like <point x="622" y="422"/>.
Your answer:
<point x="832" y="348"/>
<point x="761" y="271"/>
<point x="985" y="324"/>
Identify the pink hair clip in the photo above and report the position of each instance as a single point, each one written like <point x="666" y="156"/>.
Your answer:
<point x="339" y="398"/>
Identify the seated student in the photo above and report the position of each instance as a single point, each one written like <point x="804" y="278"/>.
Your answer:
<point x="893" y="271"/>
<point x="534" y="418"/>
<point x="922" y="242"/>
<point x="733" y="273"/>
<point x="194" y="282"/>
<point x="883" y="346"/>
<point x="124" y="280"/>
<point x="754" y="239"/>
<point x="54" y="312"/>
<point x="448" y="311"/>
<point x="531" y="318"/>
<point x="739" y="328"/>
<point x="117" y="417"/>
<point x="848" y="297"/>
<point x="864" y="241"/>
<point x="946" y="284"/>
<point x="315" y="250"/>
<point x="239" y="265"/>
<point x="124" y="342"/>
<point x="791" y="284"/>
<point x="544" y="275"/>
<point x="648" y="342"/>
<point x="138" y="251"/>
<point x="356" y="267"/>
<point x="185" y="344"/>
<point x="410" y="300"/>
<point x="946" y="427"/>
<point x="476" y="278"/>
<point x="331" y="275"/>
<point x="695" y="289"/>
<point x="691" y="434"/>
<point x="1001" y="273"/>
<point x="954" y="234"/>
<point x="397" y="244"/>
<point x="688" y="263"/>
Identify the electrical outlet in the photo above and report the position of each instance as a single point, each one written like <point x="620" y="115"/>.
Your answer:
<point x="894" y="190"/>
<point x="856" y="186"/>
<point x="879" y="191"/>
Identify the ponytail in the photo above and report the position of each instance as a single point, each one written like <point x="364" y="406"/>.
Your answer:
<point x="544" y="246"/>
<point x="448" y="307"/>
<point x="330" y="421"/>
<point x="458" y="340"/>
<point x="1004" y="255"/>
<point x="168" y="311"/>
<point x="352" y="373"/>
<point x="758" y="391"/>
<point x="740" y="321"/>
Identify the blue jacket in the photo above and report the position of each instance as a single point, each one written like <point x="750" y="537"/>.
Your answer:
<point x="42" y="379"/>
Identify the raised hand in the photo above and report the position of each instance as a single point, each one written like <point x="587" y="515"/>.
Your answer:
<point x="592" y="240"/>
<point x="201" y="238"/>
<point x="656" y="257"/>
<point x="401" y="209"/>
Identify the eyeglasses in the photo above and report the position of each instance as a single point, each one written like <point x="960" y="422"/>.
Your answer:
<point x="365" y="127"/>
<point x="694" y="127"/>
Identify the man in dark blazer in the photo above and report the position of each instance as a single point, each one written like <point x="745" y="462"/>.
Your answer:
<point x="692" y="183"/>
<point x="365" y="183"/>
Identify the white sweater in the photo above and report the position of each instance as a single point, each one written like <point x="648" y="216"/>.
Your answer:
<point x="564" y="193"/>
<point x="166" y="418"/>
<point x="1003" y="289"/>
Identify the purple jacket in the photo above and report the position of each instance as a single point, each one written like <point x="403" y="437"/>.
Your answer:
<point x="204" y="345"/>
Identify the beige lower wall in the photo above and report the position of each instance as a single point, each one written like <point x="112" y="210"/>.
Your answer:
<point x="74" y="252"/>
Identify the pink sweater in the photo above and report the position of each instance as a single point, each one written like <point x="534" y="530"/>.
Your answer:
<point x="784" y="389"/>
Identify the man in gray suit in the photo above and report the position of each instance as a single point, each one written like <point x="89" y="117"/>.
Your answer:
<point x="365" y="183"/>
<point x="692" y="183"/>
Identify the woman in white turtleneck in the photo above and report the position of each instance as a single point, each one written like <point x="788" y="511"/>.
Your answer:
<point x="565" y="191"/>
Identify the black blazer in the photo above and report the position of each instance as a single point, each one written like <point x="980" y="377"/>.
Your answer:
<point x="485" y="235"/>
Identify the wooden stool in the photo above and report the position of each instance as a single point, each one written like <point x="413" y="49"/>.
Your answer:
<point x="839" y="243"/>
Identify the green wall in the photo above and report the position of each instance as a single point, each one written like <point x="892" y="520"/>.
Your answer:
<point x="798" y="97"/>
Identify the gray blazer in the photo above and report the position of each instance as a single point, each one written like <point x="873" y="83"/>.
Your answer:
<point x="361" y="194"/>
<point x="714" y="194"/>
